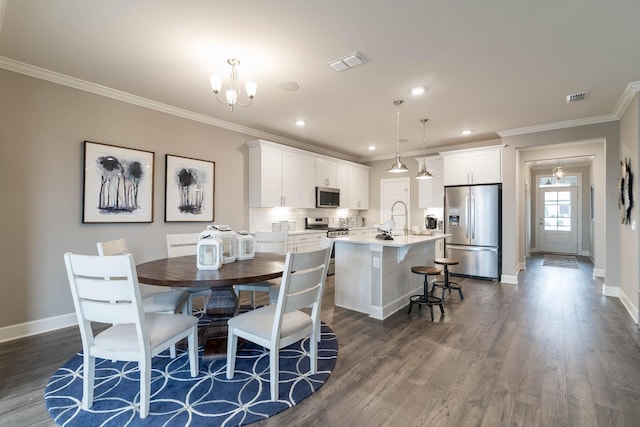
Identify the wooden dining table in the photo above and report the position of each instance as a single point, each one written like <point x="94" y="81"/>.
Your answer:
<point x="182" y="272"/>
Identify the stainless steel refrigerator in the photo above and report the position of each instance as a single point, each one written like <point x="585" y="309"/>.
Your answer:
<point x="473" y="218"/>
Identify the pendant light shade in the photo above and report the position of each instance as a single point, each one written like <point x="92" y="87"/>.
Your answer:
<point x="423" y="173"/>
<point x="397" y="166"/>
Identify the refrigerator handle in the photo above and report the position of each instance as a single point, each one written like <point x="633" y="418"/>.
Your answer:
<point x="473" y="217"/>
<point x="466" y="215"/>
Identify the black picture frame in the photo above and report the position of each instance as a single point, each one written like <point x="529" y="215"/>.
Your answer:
<point x="117" y="184"/>
<point x="189" y="189"/>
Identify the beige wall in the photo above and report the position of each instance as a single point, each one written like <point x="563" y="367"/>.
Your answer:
<point x="629" y="242"/>
<point x="42" y="128"/>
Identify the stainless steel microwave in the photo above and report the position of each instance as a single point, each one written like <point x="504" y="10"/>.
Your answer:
<point x="327" y="197"/>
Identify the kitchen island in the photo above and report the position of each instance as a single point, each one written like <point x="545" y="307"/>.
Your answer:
<point x="374" y="276"/>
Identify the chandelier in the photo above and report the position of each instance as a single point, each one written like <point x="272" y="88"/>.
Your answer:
<point x="233" y="91"/>
<point x="423" y="173"/>
<point x="397" y="166"/>
<point x="557" y="173"/>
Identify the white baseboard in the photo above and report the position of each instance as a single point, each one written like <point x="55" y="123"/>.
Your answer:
<point x="21" y="330"/>
<point x="521" y="267"/>
<point x="598" y="272"/>
<point x="610" y="291"/>
<point x="629" y="305"/>
<point x="509" y="278"/>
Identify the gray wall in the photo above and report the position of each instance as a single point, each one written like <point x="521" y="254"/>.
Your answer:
<point x="556" y="143"/>
<point x="629" y="242"/>
<point x="42" y="129"/>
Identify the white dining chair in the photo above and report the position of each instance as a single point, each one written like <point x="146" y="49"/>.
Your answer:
<point x="105" y="289"/>
<point x="155" y="299"/>
<point x="187" y="244"/>
<point x="279" y="325"/>
<point x="271" y="242"/>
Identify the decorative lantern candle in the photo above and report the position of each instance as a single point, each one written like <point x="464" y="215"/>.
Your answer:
<point x="246" y="246"/>
<point x="209" y="251"/>
<point x="229" y="241"/>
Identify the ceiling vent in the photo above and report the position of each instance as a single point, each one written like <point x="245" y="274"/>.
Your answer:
<point x="349" y="61"/>
<point x="577" y="97"/>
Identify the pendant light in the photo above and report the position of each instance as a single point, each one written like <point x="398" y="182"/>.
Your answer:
<point x="397" y="166"/>
<point x="558" y="173"/>
<point x="424" y="173"/>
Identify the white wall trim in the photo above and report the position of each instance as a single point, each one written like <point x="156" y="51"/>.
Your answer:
<point x="52" y="76"/>
<point x="598" y="272"/>
<point x="628" y="303"/>
<point x="626" y="98"/>
<point x="521" y="267"/>
<point x="558" y="125"/>
<point x="610" y="291"/>
<point x="509" y="278"/>
<point x="21" y="330"/>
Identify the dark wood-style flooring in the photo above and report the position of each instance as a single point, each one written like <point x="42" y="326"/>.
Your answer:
<point x="550" y="351"/>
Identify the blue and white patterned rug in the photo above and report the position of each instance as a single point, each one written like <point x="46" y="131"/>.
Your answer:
<point x="177" y="399"/>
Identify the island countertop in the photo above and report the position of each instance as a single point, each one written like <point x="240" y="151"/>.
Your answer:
<point x="397" y="242"/>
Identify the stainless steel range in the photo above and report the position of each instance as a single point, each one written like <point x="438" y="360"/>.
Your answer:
<point x="322" y="223"/>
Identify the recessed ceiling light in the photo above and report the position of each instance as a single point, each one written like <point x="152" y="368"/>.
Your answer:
<point x="372" y="147"/>
<point x="289" y="86"/>
<point x="418" y="90"/>
<point x="466" y="132"/>
<point x="300" y="123"/>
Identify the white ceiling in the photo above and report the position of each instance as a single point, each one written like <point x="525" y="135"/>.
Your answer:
<point x="488" y="66"/>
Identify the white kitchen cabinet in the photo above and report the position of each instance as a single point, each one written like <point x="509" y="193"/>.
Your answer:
<point x="358" y="188"/>
<point x="326" y="173"/>
<point x="431" y="191"/>
<point x="333" y="175"/>
<point x="304" y="242"/>
<point x="280" y="177"/>
<point x="473" y="166"/>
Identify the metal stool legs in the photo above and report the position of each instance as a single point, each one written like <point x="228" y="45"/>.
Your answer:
<point x="427" y="297"/>
<point x="447" y="284"/>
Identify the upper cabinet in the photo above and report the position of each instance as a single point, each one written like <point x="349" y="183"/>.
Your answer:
<point x="358" y="187"/>
<point x="286" y="176"/>
<point x="431" y="191"/>
<point x="280" y="177"/>
<point x="473" y="166"/>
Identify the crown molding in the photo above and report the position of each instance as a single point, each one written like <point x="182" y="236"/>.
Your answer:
<point x="558" y="125"/>
<point x="83" y="85"/>
<point x="625" y="99"/>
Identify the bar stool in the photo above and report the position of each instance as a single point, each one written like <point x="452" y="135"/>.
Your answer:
<point x="446" y="283"/>
<point x="427" y="298"/>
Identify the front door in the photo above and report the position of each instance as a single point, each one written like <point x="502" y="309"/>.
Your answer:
<point x="558" y="220"/>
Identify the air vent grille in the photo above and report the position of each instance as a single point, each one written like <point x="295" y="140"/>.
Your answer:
<point x="577" y="97"/>
<point x="352" y="60"/>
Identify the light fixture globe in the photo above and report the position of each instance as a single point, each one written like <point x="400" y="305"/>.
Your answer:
<point x="558" y="173"/>
<point x="397" y="166"/>
<point x="232" y="93"/>
<point x="423" y="173"/>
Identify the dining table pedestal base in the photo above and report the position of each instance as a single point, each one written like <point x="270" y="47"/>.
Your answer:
<point x="222" y="306"/>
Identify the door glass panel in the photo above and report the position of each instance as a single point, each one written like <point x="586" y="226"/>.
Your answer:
<point x="557" y="211"/>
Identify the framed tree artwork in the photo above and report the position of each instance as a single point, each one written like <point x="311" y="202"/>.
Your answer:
<point x="118" y="184"/>
<point x="189" y="189"/>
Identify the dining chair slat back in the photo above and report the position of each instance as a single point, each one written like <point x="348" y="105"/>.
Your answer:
<point x="155" y="299"/>
<point x="266" y="241"/>
<point x="280" y="325"/>
<point x="271" y="241"/>
<point x="182" y="245"/>
<point x="134" y="335"/>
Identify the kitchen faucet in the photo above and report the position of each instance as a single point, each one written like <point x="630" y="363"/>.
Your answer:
<point x="406" y="215"/>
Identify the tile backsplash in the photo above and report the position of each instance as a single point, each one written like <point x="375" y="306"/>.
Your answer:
<point x="260" y="219"/>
